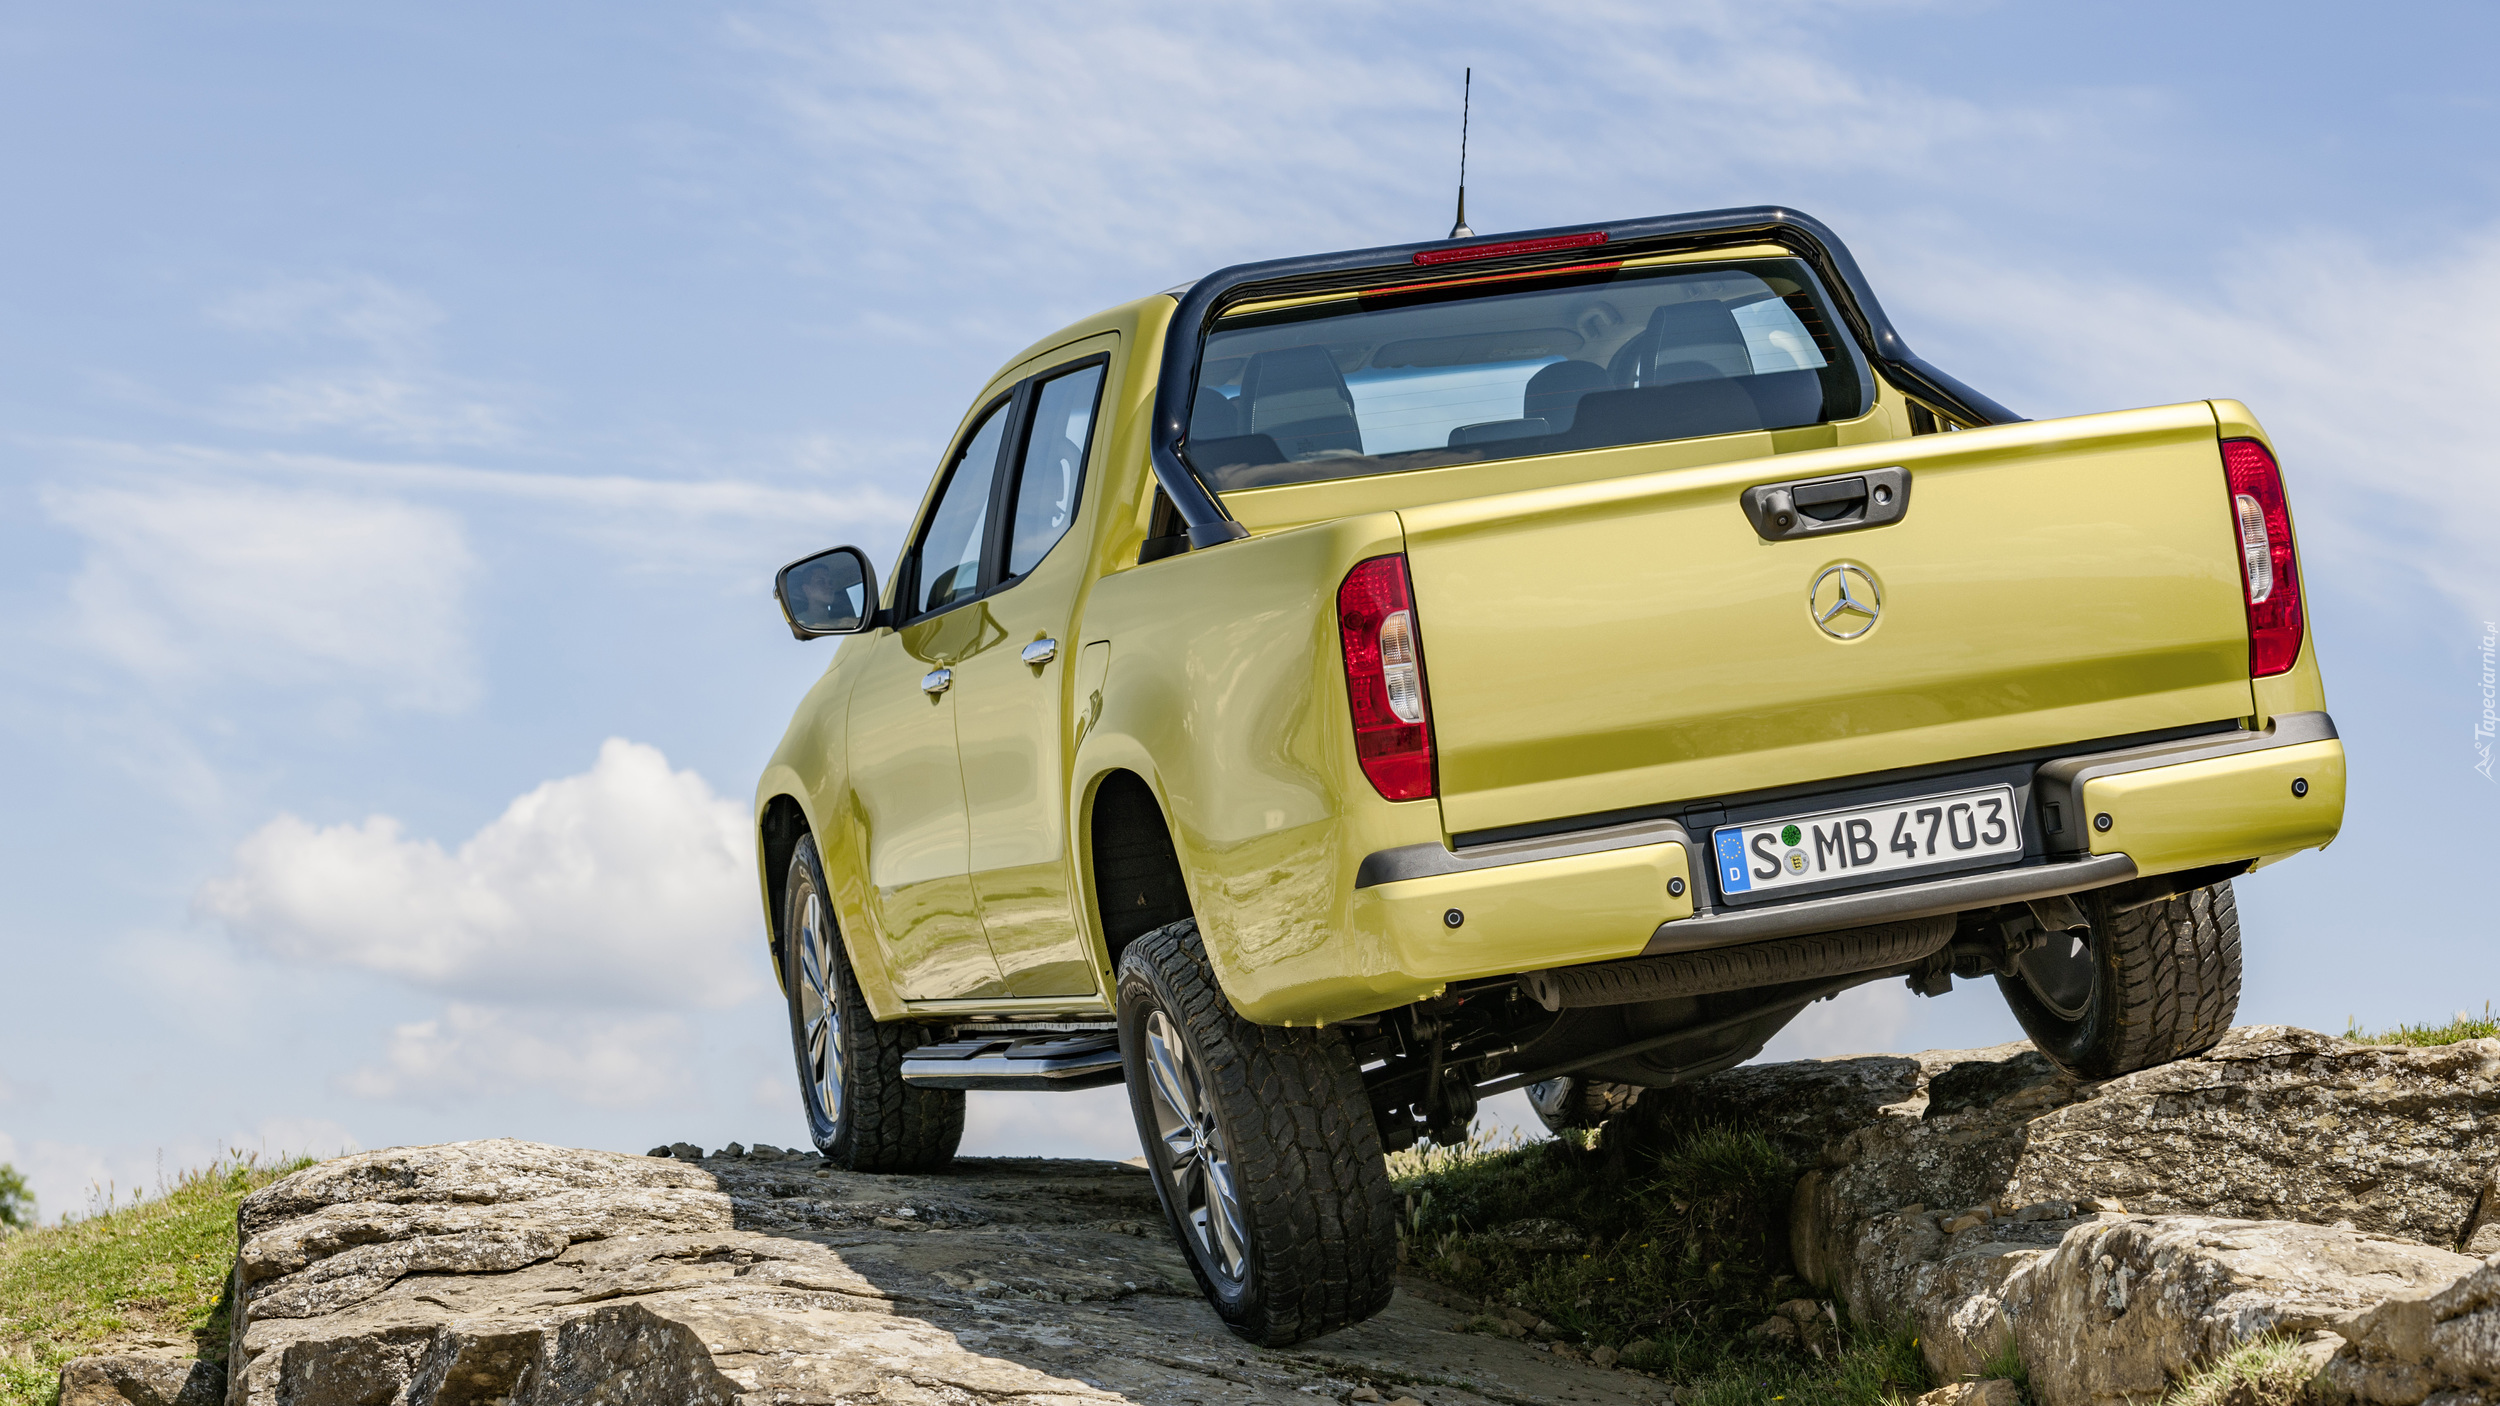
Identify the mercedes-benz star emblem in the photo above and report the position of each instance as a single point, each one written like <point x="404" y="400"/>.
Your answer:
<point x="1845" y="600"/>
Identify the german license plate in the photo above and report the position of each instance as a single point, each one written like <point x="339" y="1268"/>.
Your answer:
<point x="1864" y="842"/>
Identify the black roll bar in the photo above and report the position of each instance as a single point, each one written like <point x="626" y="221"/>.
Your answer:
<point x="1203" y="513"/>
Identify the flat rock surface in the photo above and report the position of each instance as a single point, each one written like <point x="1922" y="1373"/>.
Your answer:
<point x="511" y="1272"/>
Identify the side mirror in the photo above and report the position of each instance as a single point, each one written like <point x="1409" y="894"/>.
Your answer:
<point x="830" y="593"/>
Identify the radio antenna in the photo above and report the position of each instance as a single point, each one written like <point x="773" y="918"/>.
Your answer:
<point x="1466" y="94"/>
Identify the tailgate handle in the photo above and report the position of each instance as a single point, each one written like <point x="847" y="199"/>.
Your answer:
<point x="1811" y="507"/>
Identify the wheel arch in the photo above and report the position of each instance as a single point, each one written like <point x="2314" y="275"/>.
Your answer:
<point x="779" y="827"/>
<point x="1133" y="877"/>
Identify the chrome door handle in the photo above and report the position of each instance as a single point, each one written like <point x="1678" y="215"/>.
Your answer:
<point x="1041" y="652"/>
<point x="937" y="681"/>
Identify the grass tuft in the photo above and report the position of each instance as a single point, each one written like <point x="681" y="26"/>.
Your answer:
<point x="2268" y="1371"/>
<point x="1669" y="1258"/>
<point x="143" y="1269"/>
<point x="1867" y="1369"/>
<point x="2006" y="1363"/>
<point x="2465" y="1026"/>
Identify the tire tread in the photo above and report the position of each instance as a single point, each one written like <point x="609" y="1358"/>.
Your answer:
<point x="2177" y="968"/>
<point x="1321" y="1215"/>
<point x="887" y="1125"/>
<point x="2167" y="988"/>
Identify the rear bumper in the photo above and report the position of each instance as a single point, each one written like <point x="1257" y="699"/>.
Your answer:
<point x="1598" y="895"/>
<point x="2253" y="795"/>
<point x="1460" y="917"/>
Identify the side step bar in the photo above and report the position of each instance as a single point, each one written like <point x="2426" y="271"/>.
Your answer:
<point x="1031" y="1063"/>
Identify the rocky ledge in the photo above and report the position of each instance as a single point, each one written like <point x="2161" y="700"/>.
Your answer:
<point x="2116" y="1236"/>
<point x="2111" y="1238"/>
<point x="510" y="1272"/>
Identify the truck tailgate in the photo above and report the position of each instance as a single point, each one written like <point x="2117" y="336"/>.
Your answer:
<point x="1632" y="641"/>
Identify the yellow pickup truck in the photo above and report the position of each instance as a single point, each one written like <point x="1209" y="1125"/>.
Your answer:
<point x="1345" y="687"/>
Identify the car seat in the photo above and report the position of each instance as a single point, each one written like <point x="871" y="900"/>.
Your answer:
<point x="1554" y="392"/>
<point x="1213" y="415"/>
<point x="1693" y="342"/>
<point x="1297" y="397"/>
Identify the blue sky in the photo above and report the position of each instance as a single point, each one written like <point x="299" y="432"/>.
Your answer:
<point x="402" y="410"/>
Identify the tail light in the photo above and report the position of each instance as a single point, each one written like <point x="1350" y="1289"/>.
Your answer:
<point x="1384" y="679"/>
<point x="2267" y="566"/>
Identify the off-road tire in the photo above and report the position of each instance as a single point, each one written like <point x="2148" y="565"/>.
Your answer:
<point x="2164" y="985"/>
<point x="1572" y="1102"/>
<point x="883" y="1124"/>
<point x="1319" y="1219"/>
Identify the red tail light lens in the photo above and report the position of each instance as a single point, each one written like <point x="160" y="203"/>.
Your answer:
<point x="2268" y="568"/>
<point x="1384" y="679"/>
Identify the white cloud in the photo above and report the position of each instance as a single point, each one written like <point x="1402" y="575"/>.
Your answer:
<point x="279" y="1137"/>
<point x="629" y="884"/>
<point x="388" y="319"/>
<point x="395" y="394"/>
<point x="396" y="405"/>
<point x="811" y="459"/>
<point x="56" y="1173"/>
<point x="2368" y="366"/>
<point x="805" y="493"/>
<point x="186" y="581"/>
<point x="473" y="1051"/>
<point x="1115" y="134"/>
<point x="77" y="1179"/>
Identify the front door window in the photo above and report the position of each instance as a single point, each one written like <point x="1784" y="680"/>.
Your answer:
<point x="947" y="568"/>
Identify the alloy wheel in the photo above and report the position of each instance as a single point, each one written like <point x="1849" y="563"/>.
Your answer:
<point x="1194" y="1155"/>
<point x="820" y="1008"/>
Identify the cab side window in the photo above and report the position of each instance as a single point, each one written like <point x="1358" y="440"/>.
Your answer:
<point x="947" y="566"/>
<point x="1062" y="429"/>
<point x="1010" y="495"/>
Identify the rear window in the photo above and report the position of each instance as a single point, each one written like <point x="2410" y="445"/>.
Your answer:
<point x="1506" y="368"/>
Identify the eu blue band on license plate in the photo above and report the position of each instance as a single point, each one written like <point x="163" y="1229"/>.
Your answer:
<point x="1732" y="875"/>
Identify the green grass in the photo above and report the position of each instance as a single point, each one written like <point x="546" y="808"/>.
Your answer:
<point x="2466" y="1026"/>
<point x="154" y="1267"/>
<point x="2261" y="1372"/>
<point x="2007" y="1363"/>
<point x="1684" y="1251"/>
